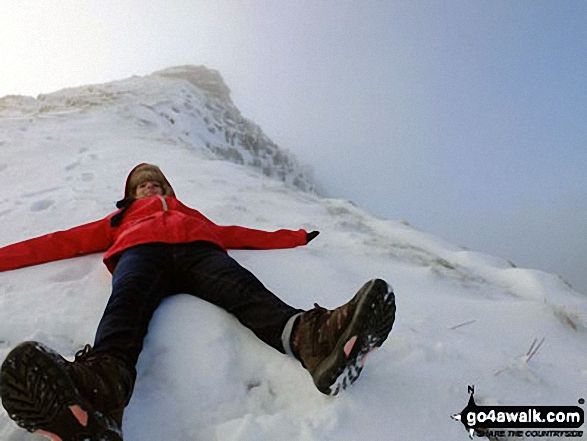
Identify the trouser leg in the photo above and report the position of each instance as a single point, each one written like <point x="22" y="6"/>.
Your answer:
<point x="139" y="284"/>
<point x="211" y="274"/>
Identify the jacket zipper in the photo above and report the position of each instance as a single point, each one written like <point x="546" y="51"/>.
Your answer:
<point x="164" y="202"/>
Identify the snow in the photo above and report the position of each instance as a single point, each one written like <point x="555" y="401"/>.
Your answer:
<point x="463" y="318"/>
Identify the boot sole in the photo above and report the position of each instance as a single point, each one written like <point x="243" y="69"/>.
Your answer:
<point x="371" y="324"/>
<point x="39" y="395"/>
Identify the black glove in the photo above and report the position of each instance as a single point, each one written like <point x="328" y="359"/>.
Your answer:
<point x="311" y="236"/>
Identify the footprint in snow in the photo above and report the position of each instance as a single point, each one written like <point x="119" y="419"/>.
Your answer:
<point x="73" y="165"/>
<point x="41" y="205"/>
<point x="40" y="192"/>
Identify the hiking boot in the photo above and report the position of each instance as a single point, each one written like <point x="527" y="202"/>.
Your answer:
<point x="66" y="401"/>
<point x="333" y="345"/>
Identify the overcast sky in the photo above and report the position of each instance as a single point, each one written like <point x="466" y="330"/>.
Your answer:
<point x="467" y="118"/>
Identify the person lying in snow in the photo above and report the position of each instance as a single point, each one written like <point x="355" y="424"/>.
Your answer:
<point x="156" y="247"/>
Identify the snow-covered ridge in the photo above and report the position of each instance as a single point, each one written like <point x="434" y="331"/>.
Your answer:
<point x="193" y="106"/>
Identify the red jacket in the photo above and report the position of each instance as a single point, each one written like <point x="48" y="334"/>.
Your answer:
<point x="153" y="219"/>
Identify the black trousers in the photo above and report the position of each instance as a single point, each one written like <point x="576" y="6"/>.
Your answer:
<point x="146" y="274"/>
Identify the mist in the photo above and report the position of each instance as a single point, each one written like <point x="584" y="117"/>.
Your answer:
<point x="466" y="119"/>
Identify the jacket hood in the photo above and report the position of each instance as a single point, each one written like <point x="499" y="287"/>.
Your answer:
<point x="146" y="172"/>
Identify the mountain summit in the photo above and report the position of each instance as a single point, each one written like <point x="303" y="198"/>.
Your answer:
<point x="206" y="79"/>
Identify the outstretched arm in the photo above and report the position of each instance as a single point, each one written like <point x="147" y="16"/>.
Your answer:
<point x="249" y="238"/>
<point x="241" y="237"/>
<point x="77" y="241"/>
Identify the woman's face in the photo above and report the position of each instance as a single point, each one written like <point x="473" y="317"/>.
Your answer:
<point x="148" y="188"/>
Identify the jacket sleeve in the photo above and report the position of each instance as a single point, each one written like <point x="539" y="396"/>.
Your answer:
<point x="84" y="239"/>
<point x="249" y="238"/>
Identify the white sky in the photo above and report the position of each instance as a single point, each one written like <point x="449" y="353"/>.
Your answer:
<point x="465" y="118"/>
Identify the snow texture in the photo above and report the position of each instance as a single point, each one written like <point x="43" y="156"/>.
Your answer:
<point x="463" y="318"/>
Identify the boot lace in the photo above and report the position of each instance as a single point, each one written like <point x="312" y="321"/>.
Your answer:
<point x="83" y="353"/>
<point x="102" y="379"/>
<point x="326" y="325"/>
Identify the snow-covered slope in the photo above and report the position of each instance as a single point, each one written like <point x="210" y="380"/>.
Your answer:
<point x="186" y="106"/>
<point x="463" y="318"/>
